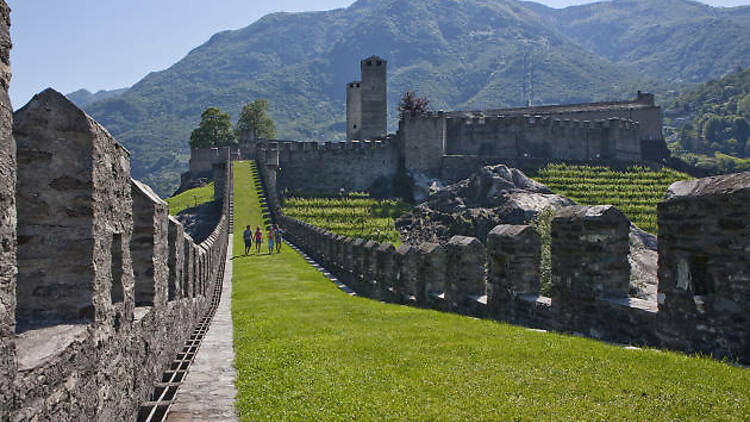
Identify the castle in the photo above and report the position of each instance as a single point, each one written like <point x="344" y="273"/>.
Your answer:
<point x="450" y="146"/>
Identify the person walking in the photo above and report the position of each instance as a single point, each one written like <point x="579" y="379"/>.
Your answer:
<point x="258" y="240"/>
<point x="271" y="236"/>
<point x="247" y="236"/>
<point x="279" y="239"/>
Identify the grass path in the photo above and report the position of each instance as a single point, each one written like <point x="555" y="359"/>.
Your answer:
<point x="307" y="351"/>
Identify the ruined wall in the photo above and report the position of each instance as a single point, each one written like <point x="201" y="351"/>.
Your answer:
<point x="327" y="168"/>
<point x="703" y="272"/>
<point x="84" y="351"/>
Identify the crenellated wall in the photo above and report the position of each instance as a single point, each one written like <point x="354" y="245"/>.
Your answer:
<point x="109" y="286"/>
<point x="311" y="167"/>
<point x="704" y="271"/>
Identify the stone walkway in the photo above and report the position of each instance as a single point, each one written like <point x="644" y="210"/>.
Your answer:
<point x="208" y="391"/>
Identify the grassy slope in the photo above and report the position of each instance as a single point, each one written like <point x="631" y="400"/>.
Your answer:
<point x="190" y="198"/>
<point x="307" y="351"/>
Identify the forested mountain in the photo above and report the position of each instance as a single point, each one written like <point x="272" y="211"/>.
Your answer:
<point x="458" y="53"/>
<point x="672" y="40"/>
<point x="84" y="97"/>
<point x="710" y="125"/>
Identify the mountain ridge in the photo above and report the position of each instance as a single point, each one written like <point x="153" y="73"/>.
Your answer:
<point x="460" y="54"/>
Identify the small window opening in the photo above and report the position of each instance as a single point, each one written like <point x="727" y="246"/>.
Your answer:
<point x="355" y="126"/>
<point x="379" y="63"/>
<point x="702" y="282"/>
<point x="369" y="63"/>
<point x="118" y="292"/>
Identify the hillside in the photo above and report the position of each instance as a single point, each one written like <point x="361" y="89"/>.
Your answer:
<point x="710" y="125"/>
<point x="471" y="53"/>
<point x="673" y="40"/>
<point x="84" y="97"/>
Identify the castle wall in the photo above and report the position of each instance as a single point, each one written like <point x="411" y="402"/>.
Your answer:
<point x="327" y="168"/>
<point x="91" y="355"/>
<point x="542" y="137"/>
<point x="7" y="215"/>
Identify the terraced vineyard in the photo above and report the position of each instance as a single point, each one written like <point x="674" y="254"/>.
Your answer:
<point x="635" y="191"/>
<point x="354" y="215"/>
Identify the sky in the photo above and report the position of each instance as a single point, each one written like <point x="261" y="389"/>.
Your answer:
<point x="105" y="44"/>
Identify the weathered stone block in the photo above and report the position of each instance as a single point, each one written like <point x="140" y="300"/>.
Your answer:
<point x="149" y="246"/>
<point x="466" y="262"/>
<point x="514" y="253"/>
<point x="704" y="265"/>
<point x="590" y="247"/>
<point x="74" y="199"/>
<point x="407" y="267"/>
<point x="176" y="259"/>
<point x="386" y="274"/>
<point x="433" y="271"/>
<point x="370" y="261"/>
<point x="189" y="268"/>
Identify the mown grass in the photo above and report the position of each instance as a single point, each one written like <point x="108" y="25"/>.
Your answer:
<point x="354" y="215"/>
<point x="635" y="191"/>
<point x="307" y="351"/>
<point x="190" y="198"/>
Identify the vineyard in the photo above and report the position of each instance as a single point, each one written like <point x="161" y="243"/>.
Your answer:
<point x="635" y="191"/>
<point x="353" y="215"/>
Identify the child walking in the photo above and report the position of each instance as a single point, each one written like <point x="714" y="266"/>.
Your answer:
<point x="258" y="240"/>
<point x="271" y="236"/>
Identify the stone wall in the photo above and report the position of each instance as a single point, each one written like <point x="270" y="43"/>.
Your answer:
<point x="703" y="272"/>
<point x="7" y="216"/>
<point x="78" y="347"/>
<point x="328" y="168"/>
<point x="704" y="265"/>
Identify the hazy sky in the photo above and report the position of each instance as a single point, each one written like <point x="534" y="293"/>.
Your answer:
<point x="106" y="44"/>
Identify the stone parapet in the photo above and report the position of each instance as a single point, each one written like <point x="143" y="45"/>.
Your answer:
<point x="703" y="264"/>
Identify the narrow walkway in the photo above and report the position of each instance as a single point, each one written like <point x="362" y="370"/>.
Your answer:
<point x="208" y="391"/>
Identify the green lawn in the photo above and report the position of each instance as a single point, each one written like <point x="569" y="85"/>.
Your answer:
<point x="190" y="198"/>
<point x="307" y="351"/>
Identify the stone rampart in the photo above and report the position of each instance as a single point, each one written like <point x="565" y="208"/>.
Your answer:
<point x="330" y="167"/>
<point x="109" y="286"/>
<point x="704" y="272"/>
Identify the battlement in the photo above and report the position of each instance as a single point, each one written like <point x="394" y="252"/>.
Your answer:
<point x="702" y="305"/>
<point x="104" y="273"/>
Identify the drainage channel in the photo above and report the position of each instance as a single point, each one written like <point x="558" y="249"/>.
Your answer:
<point x="157" y="408"/>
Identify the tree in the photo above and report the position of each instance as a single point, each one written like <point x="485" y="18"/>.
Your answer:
<point x="254" y="122"/>
<point x="411" y="104"/>
<point x="215" y="130"/>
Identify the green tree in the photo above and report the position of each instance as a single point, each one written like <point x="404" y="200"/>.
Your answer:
<point x="254" y="122"/>
<point x="215" y="129"/>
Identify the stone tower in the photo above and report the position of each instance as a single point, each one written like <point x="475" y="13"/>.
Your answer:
<point x="353" y="110"/>
<point x="366" y="101"/>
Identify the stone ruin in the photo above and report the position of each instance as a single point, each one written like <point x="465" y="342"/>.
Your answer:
<point x="703" y="289"/>
<point x="99" y="287"/>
